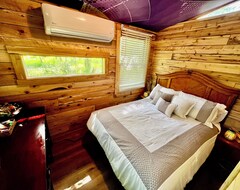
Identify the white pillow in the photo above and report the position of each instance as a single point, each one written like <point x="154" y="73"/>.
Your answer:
<point x="162" y="89"/>
<point x="167" y="97"/>
<point x="206" y="111"/>
<point x="165" y="107"/>
<point x="155" y="89"/>
<point x="220" y="116"/>
<point x="217" y="115"/>
<point x="156" y="97"/>
<point x="184" y="106"/>
<point x="168" y="90"/>
<point x="198" y="101"/>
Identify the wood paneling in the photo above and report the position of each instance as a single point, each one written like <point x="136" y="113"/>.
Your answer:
<point x="6" y="68"/>
<point x="208" y="46"/>
<point x="68" y="101"/>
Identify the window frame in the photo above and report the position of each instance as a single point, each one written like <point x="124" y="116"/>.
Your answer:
<point x="117" y="83"/>
<point x="22" y="79"/>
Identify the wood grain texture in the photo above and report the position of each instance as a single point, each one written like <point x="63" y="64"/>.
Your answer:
<point x="198" y="84"/>
<point x="68" y="101"/>
<point x="211" y="47"/>
<point x="92" y="163"/>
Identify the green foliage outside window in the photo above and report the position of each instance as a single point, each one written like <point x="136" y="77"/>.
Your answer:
<point x="55" y="66"/>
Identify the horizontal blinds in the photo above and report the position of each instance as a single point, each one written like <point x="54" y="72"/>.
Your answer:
<point x="134" y="53"/>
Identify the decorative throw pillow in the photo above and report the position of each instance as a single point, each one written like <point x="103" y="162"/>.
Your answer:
<point x="198" y="101"/>
<point x="162" y="89"/>
<point x="206" y="111"/>
<point x="165" y="107"/>
<point x="183" y="106"/>
<point x="165" y="96"/>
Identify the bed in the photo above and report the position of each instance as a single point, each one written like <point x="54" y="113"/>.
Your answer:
<point x="156" y="143"/>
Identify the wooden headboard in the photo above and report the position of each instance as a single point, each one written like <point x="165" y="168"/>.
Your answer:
<point x="198" y="84"/>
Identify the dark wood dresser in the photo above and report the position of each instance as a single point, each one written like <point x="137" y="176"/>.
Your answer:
<point x="24" y="155"/>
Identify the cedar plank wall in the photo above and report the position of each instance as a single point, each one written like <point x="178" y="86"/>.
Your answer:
<point x="211" y="47"/>
<point x="21" y="29"/>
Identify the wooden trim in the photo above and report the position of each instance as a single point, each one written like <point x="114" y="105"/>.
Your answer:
<point x="106" y="66"/>
<point x="54" y="51"/>
<point x="57" y="80"/>
<point x="23" y="80"/>
<point x="142" y="30"/>
<point x="149" y="64"/>
<point x="118" y="60"/>
<point x="127" y="92"/>
<point x="201" y="85"/>
<point x="18" y="66"/>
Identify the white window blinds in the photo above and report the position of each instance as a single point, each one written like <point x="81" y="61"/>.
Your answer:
<point x="134" y="53"/>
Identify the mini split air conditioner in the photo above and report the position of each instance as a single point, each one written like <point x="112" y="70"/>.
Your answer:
<point x="65" y="22"/>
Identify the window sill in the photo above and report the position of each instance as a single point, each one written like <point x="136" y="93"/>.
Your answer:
<point x="129" y="92"/>
<point x="57" y="80"/>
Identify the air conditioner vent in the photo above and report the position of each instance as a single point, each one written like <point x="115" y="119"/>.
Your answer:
<point x="65" y="22"/>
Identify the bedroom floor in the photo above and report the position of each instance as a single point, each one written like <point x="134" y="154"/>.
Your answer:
<point x="97" y="174"/>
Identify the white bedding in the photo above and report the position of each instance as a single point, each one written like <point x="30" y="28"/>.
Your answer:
<point x="160" y="130"/>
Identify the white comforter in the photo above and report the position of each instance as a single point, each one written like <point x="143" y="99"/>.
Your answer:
<point x="136" y="117"/>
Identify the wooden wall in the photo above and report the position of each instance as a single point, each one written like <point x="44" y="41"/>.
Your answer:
<point x="68" y="102"/>
<point x="211" y="47"/>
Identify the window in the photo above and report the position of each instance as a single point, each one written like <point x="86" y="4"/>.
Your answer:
<point x="133" y="59"/>
<point x="59" y="66"/>
<point x="230" y="8"/>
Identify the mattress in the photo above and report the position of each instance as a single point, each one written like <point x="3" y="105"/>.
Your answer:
<point x="147" y="149"/>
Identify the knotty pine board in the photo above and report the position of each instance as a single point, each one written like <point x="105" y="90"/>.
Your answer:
<point x="68" y="101"/>
<point x="208" y="46"/>
<point x="215" y="50"/>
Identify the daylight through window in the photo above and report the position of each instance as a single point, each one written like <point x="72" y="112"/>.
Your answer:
<point x="57" y="66"/>
<point x="230" y="8"/>
<point x="134" y="53"/>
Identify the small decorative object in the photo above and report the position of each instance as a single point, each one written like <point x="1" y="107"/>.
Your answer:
<point x="230" y="135"/>
<point x="145" y="94"/>
<point x="6" y="127"/>
<point x="8" y="111"/>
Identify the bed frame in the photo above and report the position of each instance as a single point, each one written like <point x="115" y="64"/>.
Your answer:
<point x="198" y="84"/>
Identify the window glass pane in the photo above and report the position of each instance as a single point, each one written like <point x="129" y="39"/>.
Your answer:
<point x="54" y="66"/>
<point x="233" y="7"/>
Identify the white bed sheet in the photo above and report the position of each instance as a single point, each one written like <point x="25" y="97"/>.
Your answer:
<point x="160" y="128"/>
<point x="128" y="175"/>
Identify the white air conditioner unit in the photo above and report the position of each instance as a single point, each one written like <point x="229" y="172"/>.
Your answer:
<point x="65" y="22"/>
